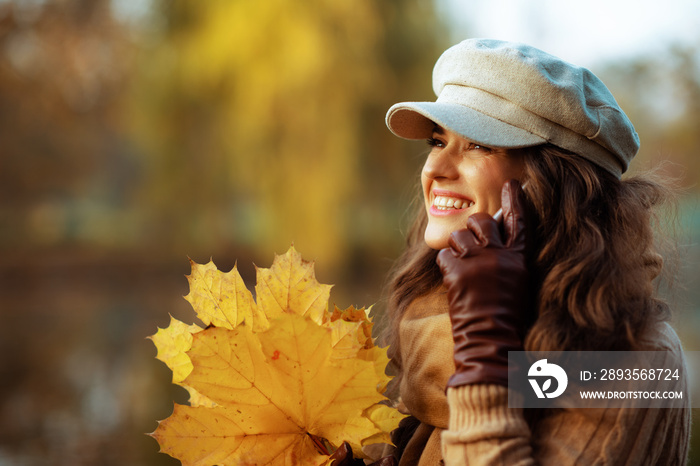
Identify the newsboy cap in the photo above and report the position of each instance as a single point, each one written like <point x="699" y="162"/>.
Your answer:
<point x="511" y="95"/>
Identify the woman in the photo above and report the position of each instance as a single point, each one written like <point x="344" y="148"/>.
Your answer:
<point x="570" y="268"/>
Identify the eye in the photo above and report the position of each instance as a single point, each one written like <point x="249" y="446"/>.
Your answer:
<point x="434" y="142"/>
<point x="478" y="147"/>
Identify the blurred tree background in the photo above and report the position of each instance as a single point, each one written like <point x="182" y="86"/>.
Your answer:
<point x="137" y="133"/>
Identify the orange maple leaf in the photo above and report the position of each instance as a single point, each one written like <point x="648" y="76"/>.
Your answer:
<point x="277" y="381"/>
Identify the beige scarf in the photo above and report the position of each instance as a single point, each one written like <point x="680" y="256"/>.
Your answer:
<point x="425" y="338"/>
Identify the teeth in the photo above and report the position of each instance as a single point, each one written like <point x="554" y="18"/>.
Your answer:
<point x="446" y="203"/>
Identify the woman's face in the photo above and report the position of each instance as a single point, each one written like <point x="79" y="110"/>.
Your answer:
<point x="460" y="178"/>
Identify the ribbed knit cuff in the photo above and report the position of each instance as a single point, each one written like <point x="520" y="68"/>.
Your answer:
<point x="481" y="410"/>
<point x="483" y="430"/>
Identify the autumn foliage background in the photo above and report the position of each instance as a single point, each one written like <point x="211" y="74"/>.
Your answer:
<point x="136" y="134"/>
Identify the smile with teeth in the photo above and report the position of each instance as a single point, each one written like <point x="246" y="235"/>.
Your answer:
<point x="447" y="203"/>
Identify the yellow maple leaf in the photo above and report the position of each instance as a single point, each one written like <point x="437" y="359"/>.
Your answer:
<point x="222" y="299"/>
<point x="290" y="285"/>
<point x="172" y="344"/>
<point x="352" y="332"/>
<point x="281" y="393"/>
<point x="385" y="418"/>
<point x="344" y="323"/>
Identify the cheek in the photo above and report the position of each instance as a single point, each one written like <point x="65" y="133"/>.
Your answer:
<point x="494" y="185"/>
<point x="425" y="185"/>
<point x="493" y="176"/>
<point x="483" y="180"/>
<point x="511" y="167"/>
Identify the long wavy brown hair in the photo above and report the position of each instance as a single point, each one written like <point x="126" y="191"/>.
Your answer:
<point x="594" y="257"/>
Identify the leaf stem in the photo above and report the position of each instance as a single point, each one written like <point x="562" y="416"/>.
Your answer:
<point x="318" y="443"/>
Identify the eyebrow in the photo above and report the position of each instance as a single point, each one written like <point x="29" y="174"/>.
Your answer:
<point x="438" y="129"/>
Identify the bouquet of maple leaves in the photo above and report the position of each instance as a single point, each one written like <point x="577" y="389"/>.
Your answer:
<point x="275" y="380"/>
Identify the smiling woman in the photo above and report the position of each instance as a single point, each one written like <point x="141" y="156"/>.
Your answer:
<point x="569" y="267"/>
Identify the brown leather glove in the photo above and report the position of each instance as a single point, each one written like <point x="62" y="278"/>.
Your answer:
<point x="343" y="457"/>
<point x="488" y="291"/>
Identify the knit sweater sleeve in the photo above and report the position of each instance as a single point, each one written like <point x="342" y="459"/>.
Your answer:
<point x="483" y="430"/>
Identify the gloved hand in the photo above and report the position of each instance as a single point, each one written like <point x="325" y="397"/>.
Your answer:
<point x="488" y="291"/>
<point x="343" y="457"/>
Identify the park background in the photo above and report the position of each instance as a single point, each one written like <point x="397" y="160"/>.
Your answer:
<point x="135" y="134"/>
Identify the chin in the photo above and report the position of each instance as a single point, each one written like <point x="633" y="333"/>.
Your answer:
<point x="437" y="234"/>
<point x="436" y="243"/>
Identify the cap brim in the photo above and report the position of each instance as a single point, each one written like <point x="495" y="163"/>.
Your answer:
<point x="416" y="120"/>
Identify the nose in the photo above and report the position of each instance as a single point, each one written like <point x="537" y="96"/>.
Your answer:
<point x="441" y="164"/>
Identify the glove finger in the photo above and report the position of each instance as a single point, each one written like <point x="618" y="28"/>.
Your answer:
<point x="485" y="230"/>
<point x="514" y="213"/>
<point x="463" y="242"/>
<point x="445" y="259"/>
<point x="342" y="456"/>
